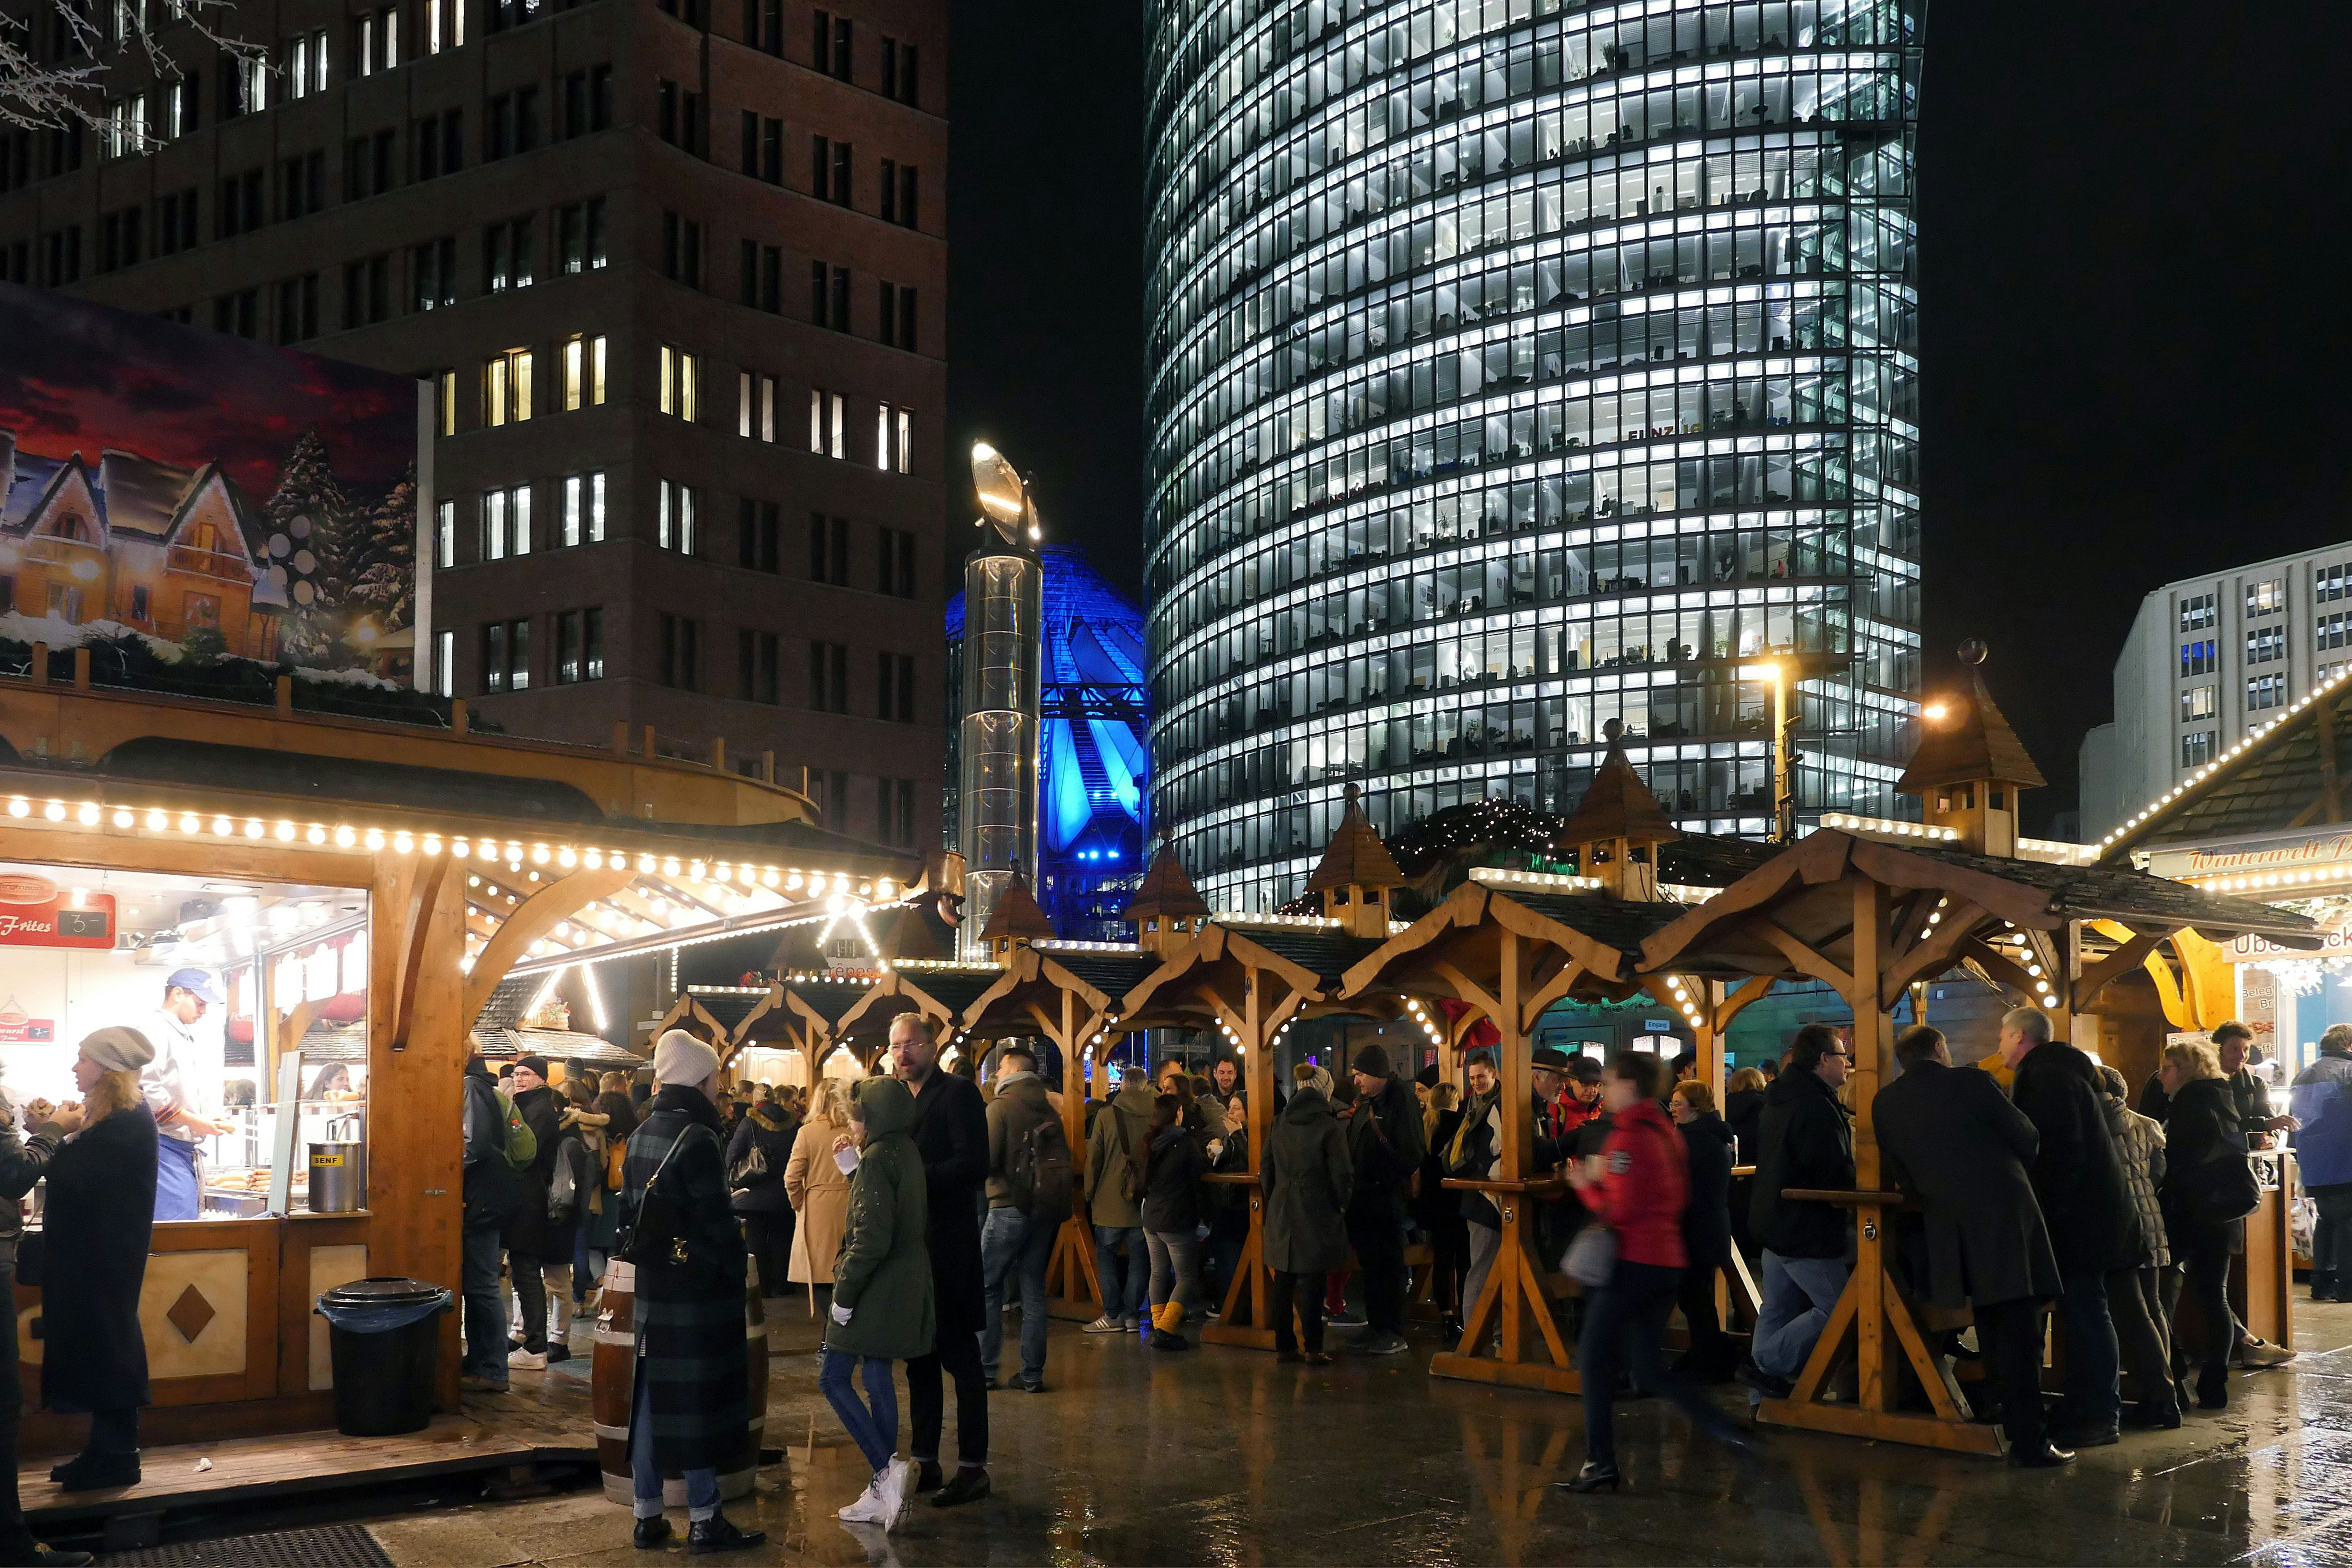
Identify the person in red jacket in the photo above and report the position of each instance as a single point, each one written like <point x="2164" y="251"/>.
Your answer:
<point x="1635" y="1186"/>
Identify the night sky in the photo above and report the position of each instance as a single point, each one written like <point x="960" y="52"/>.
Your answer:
<point x="2134" y="285"/>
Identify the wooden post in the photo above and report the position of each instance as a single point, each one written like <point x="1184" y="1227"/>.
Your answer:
<point x="650" y="751"/>
<point x="457" y="716"/>
<point x="620" y="737"/>
<point x="717" y="753"/>
<point x="1072" y="1288"/>
<point x="767" y="767"/>
<point x="40" y="664"/>
<point x="82" y="668"/>
<point x="1513" y="1066"/>
<point x="1246" y="1317"/>
<point x="286" y="696"/>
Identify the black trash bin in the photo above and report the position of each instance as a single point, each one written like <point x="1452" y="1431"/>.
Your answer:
<point x="386" y="1339"/>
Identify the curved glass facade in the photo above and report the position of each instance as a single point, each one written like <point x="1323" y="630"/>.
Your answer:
<point x="1517" y="365"/>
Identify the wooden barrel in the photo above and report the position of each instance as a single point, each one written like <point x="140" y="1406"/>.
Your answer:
<point x="612" y="1384"/>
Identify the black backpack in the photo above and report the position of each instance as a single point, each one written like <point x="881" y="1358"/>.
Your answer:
<point x="1037" y="1172"/>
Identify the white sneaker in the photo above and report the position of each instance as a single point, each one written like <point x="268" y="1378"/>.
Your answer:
<point x="867" y="1509"/>
<point x="895" y="1493"/>
<point x="528" y="1360"/>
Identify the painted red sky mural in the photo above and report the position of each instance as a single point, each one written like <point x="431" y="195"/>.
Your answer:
<point x="81" y="377"/>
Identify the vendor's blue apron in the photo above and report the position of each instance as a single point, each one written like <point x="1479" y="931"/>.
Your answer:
<point x="179" y="1189"/>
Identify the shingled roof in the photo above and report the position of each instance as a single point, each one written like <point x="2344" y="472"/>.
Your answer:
<point x="1356" y="856"/>
<point x="1017" y="916"/>
<point x="1618" y="804"/>
<point x="1166" y="893"/>
<point x="1974" y="742"/>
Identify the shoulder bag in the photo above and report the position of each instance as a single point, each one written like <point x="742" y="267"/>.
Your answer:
<point x="658" y="1235"/>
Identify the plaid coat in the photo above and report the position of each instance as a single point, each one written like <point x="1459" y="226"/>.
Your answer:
<point x="690" y="1342"/>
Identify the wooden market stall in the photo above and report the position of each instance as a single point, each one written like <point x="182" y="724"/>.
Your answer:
<point x="381" y="879"/>
<point x="1869" y="918"/>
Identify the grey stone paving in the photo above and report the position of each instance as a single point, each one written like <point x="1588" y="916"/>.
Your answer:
<point x="1223" y="1457"/>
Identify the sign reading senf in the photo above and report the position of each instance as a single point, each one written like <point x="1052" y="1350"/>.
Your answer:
<point x="2299" y="854"/>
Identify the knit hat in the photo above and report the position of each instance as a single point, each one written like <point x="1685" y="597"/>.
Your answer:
<point x="1372" y="1062"/>
<point x="1550" y="1058"/>
<point x="679" y="1058"/>
<point x="118" y="1049"/>
<point x="1305" y="1076"/>
<point x="536" y="1064"/>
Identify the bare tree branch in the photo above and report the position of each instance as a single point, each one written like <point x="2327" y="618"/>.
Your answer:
<point x="50" y="95"/>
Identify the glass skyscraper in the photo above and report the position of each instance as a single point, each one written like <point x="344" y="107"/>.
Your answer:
<point x="1517" y="365"/>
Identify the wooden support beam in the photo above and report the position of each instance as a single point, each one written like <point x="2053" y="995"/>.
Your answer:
<point x="1801" y="958"/>
<point x="533" y="919"/>
<point x="2133" y="954"/>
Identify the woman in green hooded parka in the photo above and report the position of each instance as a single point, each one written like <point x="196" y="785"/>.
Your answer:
<point x="882" y="1308"/>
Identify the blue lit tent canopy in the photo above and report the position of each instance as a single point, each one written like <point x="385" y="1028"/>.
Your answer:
<point x="1095" y="756"/>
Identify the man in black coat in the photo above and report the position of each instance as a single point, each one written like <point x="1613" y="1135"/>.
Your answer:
<point x="951" y="1132"/>
<point x="490" y="1194"/>
<point x="1384" y="1139"/>
<point x="2087" y="1204"/>
<point x="1805" y="1139"/>
<point x="1956" y="1145"/>
<point x="538" y="1250"/>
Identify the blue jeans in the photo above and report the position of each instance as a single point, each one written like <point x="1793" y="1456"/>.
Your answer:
<point x="486" y="1308"/>
<point x="875" y="1433"/>
<point x="1126" y="1295"/>
<point x="644" y="1475"/>
<point x="1176" y="1268"/>
<point x="2094" y="1361"/>
<point x="1798" y="1293"/>
<point x="1012" y="1244"/>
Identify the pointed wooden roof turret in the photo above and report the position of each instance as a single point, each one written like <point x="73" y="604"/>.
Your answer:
<point x="1016" y="921"/>
<point x="1619" y="825"/>
<point x="1970" y="767"/>
<point x="1166" y="909"/>
<point x="1357" y="873"/>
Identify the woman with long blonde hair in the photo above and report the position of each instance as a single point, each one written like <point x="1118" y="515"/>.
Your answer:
<point x="818" y="1190"/>
<point x="96" y="1228"/>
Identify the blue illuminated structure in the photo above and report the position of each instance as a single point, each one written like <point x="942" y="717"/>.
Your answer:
<point x="1091" y="848"/>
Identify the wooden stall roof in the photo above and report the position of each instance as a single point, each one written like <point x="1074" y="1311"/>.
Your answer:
<point x="1355" y="856"/>
<point x="791" y="1003"/>
<point x="1095" y="976"/>
<point x="1618" y="805"/>
<point x="1809" y="917"/>
<point x="1166" y="892"/>
<point x="2285" y="778"/>
<point x="1017" y="915"/>
<point x="727" y="1006"/>
<point x="1454" y="948"/>
<point x="1977" y="744"/>
<point x="939" y="991"/>
<point x="1710" y="860"/>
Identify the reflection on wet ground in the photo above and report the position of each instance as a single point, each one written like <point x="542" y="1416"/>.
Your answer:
<point x="1222" y="1457"/>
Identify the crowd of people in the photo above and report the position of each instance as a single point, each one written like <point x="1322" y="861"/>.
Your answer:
<point x="915" y="1209"/>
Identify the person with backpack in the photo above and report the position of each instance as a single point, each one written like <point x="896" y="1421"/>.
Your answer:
<point x="1116" y="1163"/>
<point x="757" y="1153"/>
<point x="1030" y="1191"/>
<point x="492" y="1187"/>
<point x="539" y="1232"/>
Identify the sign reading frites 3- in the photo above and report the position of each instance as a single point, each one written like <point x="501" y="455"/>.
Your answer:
<point x="59" y="923"/>
<point x="2298" y="854"/>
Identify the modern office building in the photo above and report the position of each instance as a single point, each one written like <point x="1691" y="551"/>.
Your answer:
<point x="2210" y="659"/>
<point x="1094" y="746"/>
<point x="1515" y="367"/>
<point x="676" y="273"/>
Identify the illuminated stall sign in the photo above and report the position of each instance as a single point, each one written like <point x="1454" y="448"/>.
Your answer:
<point x="40" y="916"/>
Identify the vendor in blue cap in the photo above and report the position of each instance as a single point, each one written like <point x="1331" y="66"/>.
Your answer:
<point x="169" y="1082"/>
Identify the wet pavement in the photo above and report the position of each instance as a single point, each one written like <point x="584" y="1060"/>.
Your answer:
<point x="1224" y="1456"/>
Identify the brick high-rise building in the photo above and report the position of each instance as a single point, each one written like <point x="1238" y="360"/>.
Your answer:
<point x="678" y="274"/>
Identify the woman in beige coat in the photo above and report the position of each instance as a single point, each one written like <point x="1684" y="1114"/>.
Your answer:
<point x="818" y="1190"/>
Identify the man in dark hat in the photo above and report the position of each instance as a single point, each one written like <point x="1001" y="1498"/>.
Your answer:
<point x="538" y="1248"/>
<point x="1384" y="1138"/>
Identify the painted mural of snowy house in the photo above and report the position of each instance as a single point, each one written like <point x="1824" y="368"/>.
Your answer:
<point x="161" y="549"/>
